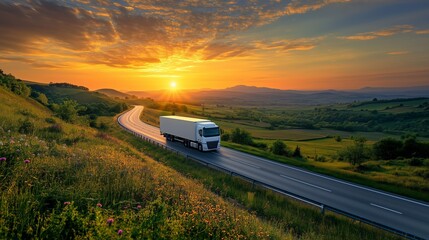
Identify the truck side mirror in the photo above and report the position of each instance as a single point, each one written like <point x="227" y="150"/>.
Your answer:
<point x="200" y="132"/>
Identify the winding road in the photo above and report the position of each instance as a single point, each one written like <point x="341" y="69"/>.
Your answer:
<point x="393" y="211"/>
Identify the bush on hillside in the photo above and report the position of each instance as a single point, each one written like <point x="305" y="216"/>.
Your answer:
<point x="241" y="137"/>
<point x="280" y="148"/>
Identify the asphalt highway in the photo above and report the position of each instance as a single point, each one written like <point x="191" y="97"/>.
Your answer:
<point x="394" y="211"/>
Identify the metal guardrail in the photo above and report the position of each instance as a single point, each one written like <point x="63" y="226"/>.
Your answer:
<point x="254" y="182"/>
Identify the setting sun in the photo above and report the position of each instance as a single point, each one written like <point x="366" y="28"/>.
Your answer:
<point x="173" y="85"/>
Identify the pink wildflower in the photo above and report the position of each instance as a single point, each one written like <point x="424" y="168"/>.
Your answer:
<point x="26" y="161"/>
<point x="110" y="221"/>
<point x="139" y="206"/>
<point x="67" y="203"/>
<point x="120" y="232"/>
<point x="99" y="205"/>
<point x="2" y="159"/>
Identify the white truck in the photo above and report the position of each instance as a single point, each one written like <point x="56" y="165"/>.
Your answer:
<point x="193" y="132"/>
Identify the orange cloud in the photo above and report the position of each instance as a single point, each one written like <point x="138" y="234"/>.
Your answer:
<point x="398" y="53"/>
<point x="381" y="33"/>
<point x="141" y="33"/>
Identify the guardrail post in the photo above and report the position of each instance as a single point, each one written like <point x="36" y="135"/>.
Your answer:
<point x="322" y="209"/>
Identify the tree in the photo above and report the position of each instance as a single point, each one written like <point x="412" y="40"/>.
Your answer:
<point x="67" y="110"/>
<point x="297" y="152"/>
<point x="42" y="99"/>
<point x="241" y="137"/>
<point x="279" y="148"/>
<point x="387" y="148"/>
<point x="357" y="153"/>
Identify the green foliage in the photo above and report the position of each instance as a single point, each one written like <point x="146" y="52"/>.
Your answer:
<point x="225" y="137"/>
<point x="338" y="138"/>
<point x="416" y="162"/>
<point x="15" y="85"/>
<point x="410" y="147"/>
<point x="26" y="126"/>
<point x="279" y="148"/>
<point x="357" y="153"/>
<point x="297" y="152"/>
<point x="241" y="136"/>
<point x="68" y="110"/>
<point x="68" y="85"/>
<point x="43" y="99"/>
<point x="388" y="148"/>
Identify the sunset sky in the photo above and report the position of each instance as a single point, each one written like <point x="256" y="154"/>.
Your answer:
<point x="146" y="45"/>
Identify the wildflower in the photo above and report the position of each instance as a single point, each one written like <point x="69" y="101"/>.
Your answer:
<point x="26" y="161"/>
<point x="110" y="221"/>
<point x="99" y="205"/>
<point x="120" y="232"/>
<point x="67" y="203"/>
<point x="139" y="206"/>
<point x="2" y="159"/>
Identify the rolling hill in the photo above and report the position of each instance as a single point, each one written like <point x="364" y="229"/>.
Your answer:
<point x="114" y="93"/>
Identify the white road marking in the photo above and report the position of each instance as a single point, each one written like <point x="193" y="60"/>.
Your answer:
<point x="306" y="183"/>
<point x="385" y="208"/>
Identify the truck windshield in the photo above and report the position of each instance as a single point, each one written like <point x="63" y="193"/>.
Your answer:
<point x="211" y="132"/>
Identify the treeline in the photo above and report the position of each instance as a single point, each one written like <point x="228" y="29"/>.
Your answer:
<point x="68" y="85"/>
<point x="171" y="107"/>
<point x="386" y="149"/>
<point x="344" y="120"/>
<point x="376" y="101"/>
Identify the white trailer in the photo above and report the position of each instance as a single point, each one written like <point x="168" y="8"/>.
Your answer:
<point x="193" y="132"/>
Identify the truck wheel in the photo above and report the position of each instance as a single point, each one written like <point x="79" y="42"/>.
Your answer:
<point x="200" y="147"/>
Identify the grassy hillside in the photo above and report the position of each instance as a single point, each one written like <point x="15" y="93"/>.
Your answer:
<point x="114" y="93"/>
<point x="57" y="93"/>
<point x="65" y="181"/>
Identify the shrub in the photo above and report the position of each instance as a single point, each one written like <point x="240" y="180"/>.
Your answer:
<point x="26" y="127"/>
<point x="50" y="120"/>
<point x="297" y="152"/>
<point x="55" y="128"/>
<point x="279" y="148"/>
<point x="416" y="162"/>
<point x="357" y="153"/>
<point x="320" y="158"/>
<point x="241" y="137"/>
<point x="67" y="110"/>
<point x="422" y="173"/>
<point x="338" y="138"/>
<point x="387" y="148"/>
<point x="225" y="137"/>
<point x="260" y="145"/>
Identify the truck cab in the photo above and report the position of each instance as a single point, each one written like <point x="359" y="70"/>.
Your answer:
<point x="208" y="136"/>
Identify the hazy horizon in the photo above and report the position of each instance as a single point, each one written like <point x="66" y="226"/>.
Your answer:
<point x="149" y="45"/>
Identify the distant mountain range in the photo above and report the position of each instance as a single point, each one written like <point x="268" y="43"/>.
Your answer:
<point x="250" y="95"/>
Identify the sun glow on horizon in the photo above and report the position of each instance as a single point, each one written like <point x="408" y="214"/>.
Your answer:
<point x="173" y="85"/>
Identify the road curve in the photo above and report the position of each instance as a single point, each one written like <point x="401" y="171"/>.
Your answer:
<point x="394" y="211"/>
